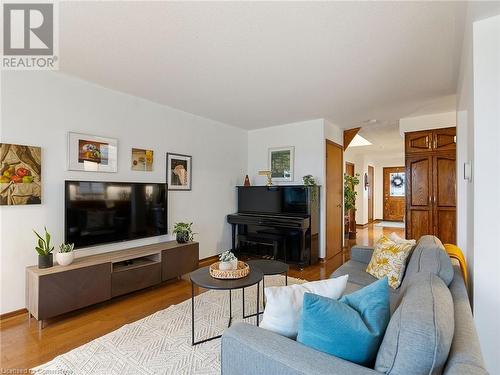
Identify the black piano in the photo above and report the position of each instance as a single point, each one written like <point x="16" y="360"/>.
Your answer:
<point x="281" y="222"/>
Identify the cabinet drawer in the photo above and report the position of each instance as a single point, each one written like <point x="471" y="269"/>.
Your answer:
<point x="179" y="260"/>
<point x="71" y="290"/>
<point x="123" y="282"/>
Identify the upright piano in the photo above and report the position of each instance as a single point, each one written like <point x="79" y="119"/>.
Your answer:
<point x="279" y="221"/>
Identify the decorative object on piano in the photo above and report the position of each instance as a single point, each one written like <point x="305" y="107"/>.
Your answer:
<point x="281" y="161"/>
<point x="228" y="261"/>
<point x="309" y="180"/>
<point x="183" y="232"/>
<point x="350" y="183"/>
<point x="92" y="153"/>
<point x="20" y="175"/>
<point x="65" y="255"/>
<point x="179" y="171"/>
<point x="241" y="271"/>
<point x="142" y="160"/>
<point x="44" y="250"/>
<point x="247" y="181"/>
<point x="268" y="174"/>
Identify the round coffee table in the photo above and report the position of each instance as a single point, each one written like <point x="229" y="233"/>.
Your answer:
<point x="201" y="277"/>
<point x="268" y="267"/>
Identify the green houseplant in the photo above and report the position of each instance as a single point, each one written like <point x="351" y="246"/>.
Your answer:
<point x="44" y="250"/>
<point x="350" y="193"/>
<point x="183" y="232"/>
<point x="65" y="256"/>
<point x="309" y="180"/>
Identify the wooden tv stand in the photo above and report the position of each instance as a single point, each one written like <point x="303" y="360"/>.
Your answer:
<point x="97" y="278"/>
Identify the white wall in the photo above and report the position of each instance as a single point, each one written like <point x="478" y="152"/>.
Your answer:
<point x="308" y="138"/>
<point x="425" y="122"/>
<point x="486" y="68"/>
<point x="39" y="108"/>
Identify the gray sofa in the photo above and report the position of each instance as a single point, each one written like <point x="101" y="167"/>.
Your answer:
<point x="431" y="302"/>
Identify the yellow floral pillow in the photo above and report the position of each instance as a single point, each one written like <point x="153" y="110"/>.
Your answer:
<point x="389" y="259"/>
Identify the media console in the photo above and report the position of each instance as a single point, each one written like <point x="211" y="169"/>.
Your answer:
<point x="96" y="278"/>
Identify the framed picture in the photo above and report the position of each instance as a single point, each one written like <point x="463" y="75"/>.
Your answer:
<point x="142" y="160"/>
<point x="92" y="153"/>
<point x="179" y="172"/>
<point x="20" y="175"/>
<point x="281" y="163"/>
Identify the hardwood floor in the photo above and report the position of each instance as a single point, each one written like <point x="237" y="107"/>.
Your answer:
<point x="23" y="346"/>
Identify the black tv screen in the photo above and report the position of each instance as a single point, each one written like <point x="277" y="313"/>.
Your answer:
<point x="103" y="212"/>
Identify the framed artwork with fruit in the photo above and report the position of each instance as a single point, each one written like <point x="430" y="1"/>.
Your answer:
<point x="20" y="175"/>
<point x="92" y="153"/>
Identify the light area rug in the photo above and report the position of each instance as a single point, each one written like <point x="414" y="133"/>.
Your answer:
<point x="161" y="342"/>
<point x="391" y="224"/>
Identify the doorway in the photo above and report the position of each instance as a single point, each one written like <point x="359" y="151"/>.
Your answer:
<point x="370" y="193"/>
<point x="334" y="202"/>
<point x="394" y="193"/>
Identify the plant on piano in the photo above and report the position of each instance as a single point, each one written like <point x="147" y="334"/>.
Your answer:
<point x="310" y="181"/>
<point x="183" y="232"/>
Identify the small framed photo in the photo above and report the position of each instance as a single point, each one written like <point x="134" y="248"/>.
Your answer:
<point x="92" y="153"/>
<point x="281" y="161"/>
<point x="142" y="160"/>
<point x="179" y="171"/>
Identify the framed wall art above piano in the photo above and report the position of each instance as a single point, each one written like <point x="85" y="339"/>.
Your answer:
<point x="281" y="222"/>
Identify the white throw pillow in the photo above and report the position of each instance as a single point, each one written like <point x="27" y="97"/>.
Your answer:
<point x="394" y="237"/>
<point x="284" y="304"/>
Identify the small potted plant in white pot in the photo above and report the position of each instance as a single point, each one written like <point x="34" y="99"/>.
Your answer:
<point x="228" y="261"/>
<point x="65" y="256"/>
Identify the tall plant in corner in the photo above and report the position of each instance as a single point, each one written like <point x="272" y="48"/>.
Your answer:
<point x="350" y="193"/>
<point x="44" y="249"/>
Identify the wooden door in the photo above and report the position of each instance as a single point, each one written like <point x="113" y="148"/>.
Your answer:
<point x="444" y="197"/>
<point x="334" y="202"/>
<point x="370" y="193"/>
<point x="349" y="170"/>
<point x="394" y="193"/>
<point x="418" y="196"/>
<point x="418" y="141"/>
<point x="444" y="139"/>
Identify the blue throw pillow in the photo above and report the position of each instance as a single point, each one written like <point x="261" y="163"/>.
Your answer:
<point x="351" y="328"/>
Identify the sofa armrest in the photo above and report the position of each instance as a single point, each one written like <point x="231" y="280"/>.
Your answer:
<point x="249" y="350"/>
<point x="361" y="253"/>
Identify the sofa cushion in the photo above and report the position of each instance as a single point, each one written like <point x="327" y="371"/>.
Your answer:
<point x="419" y="335"/>
<point x="429" y="256"/>
<point x="389" y="260"/>
<point x="284" y="303"/>
<point x="356" y="271"/>
<point x="350" y="328"/>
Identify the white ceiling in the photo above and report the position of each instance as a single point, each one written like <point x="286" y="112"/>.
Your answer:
<point x="258" y="64"/>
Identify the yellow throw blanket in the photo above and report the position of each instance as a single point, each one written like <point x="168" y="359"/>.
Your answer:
<point x="455" y="252"/>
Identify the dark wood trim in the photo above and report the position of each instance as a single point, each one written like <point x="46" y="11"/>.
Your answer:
<point x="208" y="261"/>
<point x="349" y="135"/>
<point x="10" y="314"/>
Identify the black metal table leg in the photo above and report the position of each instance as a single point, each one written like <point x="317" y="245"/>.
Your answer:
<point x="192" y="314"/>
<point x="258" y="293"/>
<point x="286" y="278"/>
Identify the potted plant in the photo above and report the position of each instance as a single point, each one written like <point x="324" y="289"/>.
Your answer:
<point x="65" y="255"/>
<point x="44" y="250"/>
<point x="183" y="232"/>
<point x="350" y="193"/>
<point x="309" y="180"/>
<point x="228" y="261"/>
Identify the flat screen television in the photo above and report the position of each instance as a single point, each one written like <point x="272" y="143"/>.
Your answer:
<point x="104" y="212"/>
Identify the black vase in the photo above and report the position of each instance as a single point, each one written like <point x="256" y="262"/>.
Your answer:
<point x="182" y="237"/>
<point x="45" y="261"/>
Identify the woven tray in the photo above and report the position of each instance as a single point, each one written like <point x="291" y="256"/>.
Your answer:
<point x="242" y="271"/>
